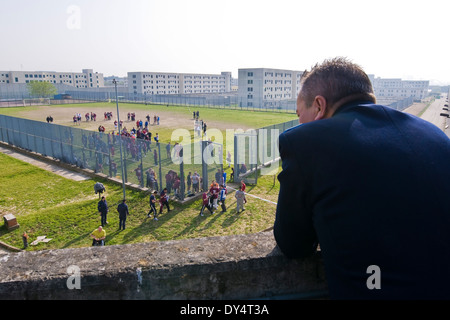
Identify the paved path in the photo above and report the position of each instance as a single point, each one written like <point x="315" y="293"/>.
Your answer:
<point x="46" y="166"/>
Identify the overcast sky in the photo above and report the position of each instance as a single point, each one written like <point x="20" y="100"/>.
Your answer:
<point x="391" y="39"/>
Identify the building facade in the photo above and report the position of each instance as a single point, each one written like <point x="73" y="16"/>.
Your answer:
<point x="265" y="88"/>
<point x="398" y="89"/>
<point x="162" y="83"/>
<point x="86" y="79"/>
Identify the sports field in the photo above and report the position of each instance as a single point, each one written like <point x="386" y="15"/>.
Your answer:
<point x="66" y="211"/>
<point x="171" y="117"/>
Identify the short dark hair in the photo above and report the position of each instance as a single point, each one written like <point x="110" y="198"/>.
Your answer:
<point x="335" y="79"/>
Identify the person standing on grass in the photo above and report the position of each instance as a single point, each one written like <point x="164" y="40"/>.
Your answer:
<point x="153" y="205"/>
<point x="189" y="182"/>
<point x="206" y="203"/>
<point x="243" y="186"/>
<point x="229" y="159"/>
<point x="123" y="213"/>
<point x="240" y="199"/>
<point x="214" y="191"/>
<point x="168" y="150"/>
<point x="222" y="197"/>
<point x="164" y="201"/>
<point x="195" y="182"/>
<point x="102" y="207"/>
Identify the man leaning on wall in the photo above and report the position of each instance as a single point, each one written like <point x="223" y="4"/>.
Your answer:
<point x="370" y="185"/>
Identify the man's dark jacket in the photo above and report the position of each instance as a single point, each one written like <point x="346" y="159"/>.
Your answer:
<point x="102" y="206"/>
<point x="371" y="185"/>
<point x="123" y="210"/>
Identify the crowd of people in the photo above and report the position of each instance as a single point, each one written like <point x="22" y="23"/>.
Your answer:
<point x="137" y="144"/>
<point x="211" y="199"/>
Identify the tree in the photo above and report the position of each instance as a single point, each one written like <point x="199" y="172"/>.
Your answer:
<point x="41" y="89"/>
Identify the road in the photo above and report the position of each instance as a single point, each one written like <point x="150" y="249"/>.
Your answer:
<point x="432" y="114"/>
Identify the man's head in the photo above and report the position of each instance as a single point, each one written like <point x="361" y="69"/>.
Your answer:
<point x="328" y="86"/>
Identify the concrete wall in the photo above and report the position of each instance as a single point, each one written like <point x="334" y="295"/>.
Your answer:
<point x="231" y="267"/>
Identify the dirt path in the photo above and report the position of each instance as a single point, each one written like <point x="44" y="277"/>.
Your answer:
<point x="169" y="119"/>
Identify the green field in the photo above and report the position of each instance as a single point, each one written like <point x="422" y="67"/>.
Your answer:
<point x="66" y="211"/>
<point x="215" y="117"/>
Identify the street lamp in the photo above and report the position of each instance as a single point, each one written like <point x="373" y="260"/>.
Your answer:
<point x="120" y="140"/>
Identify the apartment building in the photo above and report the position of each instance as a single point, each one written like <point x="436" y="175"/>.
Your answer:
<point x="86" y="79"/>
<point x="160" y="83"/>
<point x="264" y="87"/>
<point x="398" y="89"/>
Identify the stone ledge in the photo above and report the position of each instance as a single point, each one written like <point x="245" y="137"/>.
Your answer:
<point x="229" y="267"/>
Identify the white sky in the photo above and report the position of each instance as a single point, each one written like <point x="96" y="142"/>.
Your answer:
<point x="406" y="39"/>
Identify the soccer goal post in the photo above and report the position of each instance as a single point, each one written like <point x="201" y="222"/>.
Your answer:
<point x="36" y="102"/>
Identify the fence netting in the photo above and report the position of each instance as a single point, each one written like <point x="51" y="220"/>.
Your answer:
<point x="147" y="163"/>
<point x="256" y="151"/>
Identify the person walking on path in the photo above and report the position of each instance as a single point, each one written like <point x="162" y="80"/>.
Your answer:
<point x="102" y="207"/>
<point x="123" y="213"/>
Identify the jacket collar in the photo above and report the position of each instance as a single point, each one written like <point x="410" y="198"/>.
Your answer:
<point x="351" y="105"/>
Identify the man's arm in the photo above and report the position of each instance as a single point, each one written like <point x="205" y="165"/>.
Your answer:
<point x="293" y="229"/>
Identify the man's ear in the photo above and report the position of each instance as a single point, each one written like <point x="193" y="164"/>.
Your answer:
<point x="321" y="107"/>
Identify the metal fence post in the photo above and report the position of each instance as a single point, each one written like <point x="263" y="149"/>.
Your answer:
<point x="159" y="161"/>
<point x="204" y="167"/>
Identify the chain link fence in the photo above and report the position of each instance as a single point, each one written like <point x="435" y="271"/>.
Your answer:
<point x="256" y="151"/>
<point x="146" y="163"/>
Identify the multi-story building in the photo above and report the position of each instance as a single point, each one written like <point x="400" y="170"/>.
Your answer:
<point x="161" y="83"/>
<point x="263" y="87"/>
<point x="398" y="89"/>
<point x="86" y="79"/>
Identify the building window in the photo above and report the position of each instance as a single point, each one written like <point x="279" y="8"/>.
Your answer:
<point x="250" y="74"/>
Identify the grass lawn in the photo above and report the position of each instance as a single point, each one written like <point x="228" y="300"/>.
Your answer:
<point x="48" y="205"/>
<point x="172" y="117"/>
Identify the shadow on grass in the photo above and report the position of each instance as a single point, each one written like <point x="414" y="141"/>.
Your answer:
<point x="80" y="240"/>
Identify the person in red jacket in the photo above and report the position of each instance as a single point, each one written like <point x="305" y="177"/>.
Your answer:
<point x="214" y="191"/>
<point x="164" y="200"/>
<point x="243" y="186"/>
<point x="206" y="203"/>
